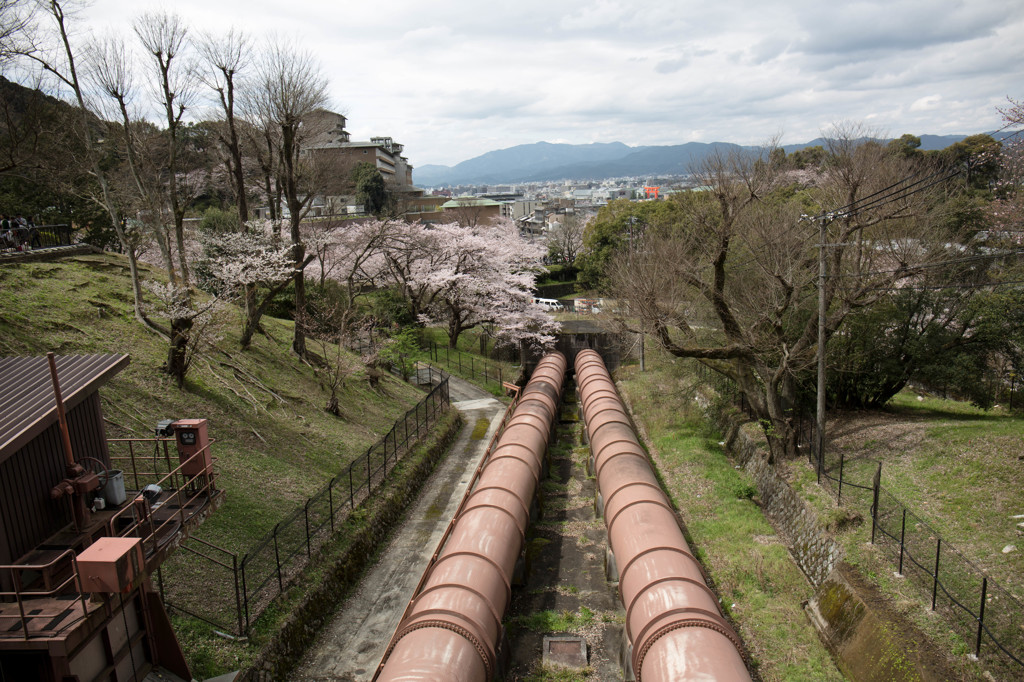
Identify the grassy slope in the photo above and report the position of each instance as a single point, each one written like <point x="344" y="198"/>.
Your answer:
<point x="958" y="468"/>
<point x="758" y="582"/>
<point x="274" y="448"/>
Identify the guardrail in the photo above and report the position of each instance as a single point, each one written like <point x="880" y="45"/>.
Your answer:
<point x="21" y="629"/>
<point x="138" y="519"/>
<point x="36" y="237"/>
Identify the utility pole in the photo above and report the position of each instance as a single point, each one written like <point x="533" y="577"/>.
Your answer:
<point x="822" y="312"/>
<point x="820" y="414"/>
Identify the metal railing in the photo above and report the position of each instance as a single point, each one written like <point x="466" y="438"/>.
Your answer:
<point x="974" y="604"/>
<point x="251" y="581"/>
<point x="466" y="365"/>
<point x="37" y="237"/>
<point x="186" y="492"/>
<point x="71" y="585"/>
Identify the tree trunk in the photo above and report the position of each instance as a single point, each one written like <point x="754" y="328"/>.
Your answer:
<point x="177" y="355"/>
<point x="299" y="340"/>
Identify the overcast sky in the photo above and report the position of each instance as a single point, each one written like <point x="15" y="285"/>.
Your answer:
<point x="451" y="80"/>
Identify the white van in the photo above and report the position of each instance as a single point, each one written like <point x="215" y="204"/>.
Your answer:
<point x="549" y="304"/>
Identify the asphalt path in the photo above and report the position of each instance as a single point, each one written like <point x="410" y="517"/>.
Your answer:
<point x="352" y="644"/>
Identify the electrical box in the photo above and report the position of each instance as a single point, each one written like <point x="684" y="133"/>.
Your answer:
<point x="111" y="565"/>
<point x="192" y="437"/>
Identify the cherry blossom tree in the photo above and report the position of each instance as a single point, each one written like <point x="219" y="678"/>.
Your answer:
<point x="1007" y="209"/>
<point x="485" y="274"/>
<point x="252" y="261"/>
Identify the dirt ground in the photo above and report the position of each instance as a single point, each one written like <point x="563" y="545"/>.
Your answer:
<point x="567" y="575"/>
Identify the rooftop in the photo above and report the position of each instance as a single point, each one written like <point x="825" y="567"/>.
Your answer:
<point x="27" y="403"/>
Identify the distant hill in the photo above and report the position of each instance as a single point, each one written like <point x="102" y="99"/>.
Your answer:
<point x="543" y="161"/>
<point x="519" y="161"/>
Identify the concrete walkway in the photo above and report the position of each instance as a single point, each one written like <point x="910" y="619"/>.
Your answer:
<point x="351" y="646"/>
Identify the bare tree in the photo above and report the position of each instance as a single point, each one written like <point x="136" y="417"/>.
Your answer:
<point x="111" y="73"/>
<point x="15" y="27"/>
<point x="565" y="240"/>
<point x="165" y="38"/>
<point x="49" y="47"/>
<point x="732" y="281"/>
<point x="225" y="57"/>
<point x="290" y="87"/>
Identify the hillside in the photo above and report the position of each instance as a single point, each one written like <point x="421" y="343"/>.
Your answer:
<point x="275" y="443"/>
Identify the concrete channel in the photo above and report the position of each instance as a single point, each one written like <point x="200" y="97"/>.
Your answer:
<point x="352" y="644"/>
<point x="565" y="596"/>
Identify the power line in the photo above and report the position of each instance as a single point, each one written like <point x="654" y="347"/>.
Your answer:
<point x="941" y="287"/>
<point x="910" y="270"/>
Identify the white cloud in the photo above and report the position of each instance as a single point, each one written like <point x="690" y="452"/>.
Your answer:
<point x="454" y="79"/>
<point x="927" y="103"/>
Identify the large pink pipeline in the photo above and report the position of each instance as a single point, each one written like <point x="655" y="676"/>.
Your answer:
<point x="673" y="621"/>
<point x="452" y="627"/>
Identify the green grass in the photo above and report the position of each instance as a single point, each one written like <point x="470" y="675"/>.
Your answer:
<point x="549" y="621"/>
<point x="276" y="445"/>
<point x="552" y="673"/>
<point x="760" y="586"/>
<point x="959" y="468"/>
<point x="480" y="428"/>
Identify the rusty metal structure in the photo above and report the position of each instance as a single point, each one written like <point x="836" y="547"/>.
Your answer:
<point x="674" y="627"/>
<point x="452" y="628"/>
<point x="83" y="528"/>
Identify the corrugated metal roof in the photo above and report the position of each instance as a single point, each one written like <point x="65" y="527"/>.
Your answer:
<point x="27" y="404"/>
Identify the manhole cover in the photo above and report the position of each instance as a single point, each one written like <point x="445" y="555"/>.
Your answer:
<point x="565" y="650"/>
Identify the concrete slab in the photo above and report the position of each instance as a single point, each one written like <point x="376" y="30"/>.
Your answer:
<point x="568" y="651"/>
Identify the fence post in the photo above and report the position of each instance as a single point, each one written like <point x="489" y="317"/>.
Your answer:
<point x="876" y="486"/>
<point x="245" y="594"/>
<point x="818" y="447"/>
<point x="472" y="366"/>
<point x="981" y="615"/>
<point x="351" y="493"/>
<point x="277" y="559"/>
<point x="330" y="501"/>
<point x="903" y="531"/>
<point x="238" y="596"/>
<point x="460" y="358"/>
<point x="842" y="460"/>
<point x="305" y="510"/>
<point x="501" y="382"/>
<point x="935" y="582"/>
<point x="369" y="471"/>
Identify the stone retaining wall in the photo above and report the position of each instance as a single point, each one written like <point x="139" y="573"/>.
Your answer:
<point x="816" y="553"/>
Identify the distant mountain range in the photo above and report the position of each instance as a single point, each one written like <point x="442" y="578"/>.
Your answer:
<point x="544" y="161"/>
